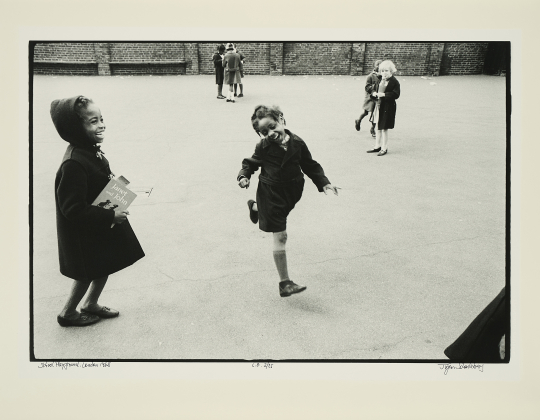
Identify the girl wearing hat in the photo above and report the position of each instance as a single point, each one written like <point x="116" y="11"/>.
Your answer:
<point x="231" y="62"/>
<point x="89" y="249"/>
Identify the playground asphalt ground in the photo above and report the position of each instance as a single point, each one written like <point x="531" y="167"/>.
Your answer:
<point x="396" y="266"/>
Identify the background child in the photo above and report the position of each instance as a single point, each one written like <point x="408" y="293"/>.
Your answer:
<point x="89" y="249"/>
<point x="242" y="59"/>
<point x="217" y="58"/>
<point x="284" y="158"/>
<point x="369" y="102"/>
<point x="231" y="62"/>
<point x="386" y="92"/>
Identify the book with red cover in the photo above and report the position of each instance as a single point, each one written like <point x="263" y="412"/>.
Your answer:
<point x="115" y="195"/>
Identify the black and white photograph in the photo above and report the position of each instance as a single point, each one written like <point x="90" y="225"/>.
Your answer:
<point x="320" y="201"/>
<point x="292" y="210"/>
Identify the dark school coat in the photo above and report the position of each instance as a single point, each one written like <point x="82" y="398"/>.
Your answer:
<point x="479" y="343"/>
<point x="218" y="67"/>
<point x="278" y="169"/>
<point x="88" y="247"/>
<point x="387" y="110"/>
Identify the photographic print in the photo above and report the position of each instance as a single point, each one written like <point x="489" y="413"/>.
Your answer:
<point x="321" y="201"/>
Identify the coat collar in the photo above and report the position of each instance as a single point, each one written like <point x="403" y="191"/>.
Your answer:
<point x="293" y="147"/>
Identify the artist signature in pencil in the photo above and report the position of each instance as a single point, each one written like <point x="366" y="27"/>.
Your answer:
<point x="470" y="366"/>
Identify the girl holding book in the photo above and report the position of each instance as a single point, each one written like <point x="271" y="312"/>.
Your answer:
<point x="89" y="249"/>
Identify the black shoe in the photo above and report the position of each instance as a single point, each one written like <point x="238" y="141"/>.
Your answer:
<point x="378" y="149"/>
<point x="228" y="100"/>
<point x="357" y="125"/>
<point x="104" y="312"/>
<point x="235" y="94"/>
<point x="241" y="95"/>
<point x="253" y="215"/>
<point x="82" y="321"/>
<point x="382" y="152"/>
<point x="288" y="287"/>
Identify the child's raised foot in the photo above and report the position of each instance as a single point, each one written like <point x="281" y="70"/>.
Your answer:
<point x="357" y="125"/>
<point x="253" y="214"/>
<point x="288" y="287"/>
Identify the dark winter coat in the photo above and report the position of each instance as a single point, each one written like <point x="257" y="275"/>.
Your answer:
<point x="87" y="245"/>
<point x="281" y="182"/>
<point x="479" y="343"/>
<point x="387" y="110"/>
<point x="279" y="167"/>
<point x="218" y="67"/>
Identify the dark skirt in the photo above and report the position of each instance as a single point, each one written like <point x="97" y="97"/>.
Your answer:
<point x="275" y="202"/>
<point x="220" y="75"/>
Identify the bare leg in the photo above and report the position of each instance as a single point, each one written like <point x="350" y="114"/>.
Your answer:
<point x="78" y="289"/>
<point x="93" y="294"/>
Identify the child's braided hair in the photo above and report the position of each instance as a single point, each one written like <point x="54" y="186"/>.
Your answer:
<point x="263" y="111"/>
<point x="81" y="103"/>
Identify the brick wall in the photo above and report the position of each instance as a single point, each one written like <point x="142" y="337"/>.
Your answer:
<point x="66" y="69"/>
<point x="146" y="68"/>
<point x="147" y="52"/>
<point x="410" y="59"/>
<point x="461" y="58"/>
<point x="276" y="58"/>
<point x="66" y="52"/>
<point x="317" y="58"/>
<point x="256" y="53"/>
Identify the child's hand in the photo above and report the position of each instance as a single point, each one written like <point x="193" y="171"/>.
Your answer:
<point x="331" y="187"/>
<point x="120" y="216"/>
<point x="244" y="183"/>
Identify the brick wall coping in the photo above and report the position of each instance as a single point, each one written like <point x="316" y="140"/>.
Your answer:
<point x="149" y="62"/>
<point x="65" y="62"/>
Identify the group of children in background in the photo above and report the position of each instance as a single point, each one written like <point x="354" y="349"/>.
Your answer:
<point x="229" y="68"/>
<point x="90" y="250"/>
